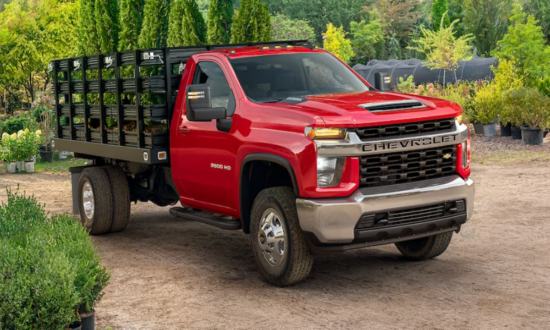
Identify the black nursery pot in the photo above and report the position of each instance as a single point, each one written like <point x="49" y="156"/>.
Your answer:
<point x="46" y="156"/>
<point x="516" y="132"/>
<point x="532" y="136"/>
<point x="75" y="326"/>
<point x="88" y="321"/>
<point x="506" y="130"/>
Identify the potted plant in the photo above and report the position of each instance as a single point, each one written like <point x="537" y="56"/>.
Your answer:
<point x="487" y="104"/>
<point x="7" y="155"/>
<point x="536" y="116"/>
<point x="512" y="111"/>
<point x="46" y="154"/>
<point x="29" y="145"/>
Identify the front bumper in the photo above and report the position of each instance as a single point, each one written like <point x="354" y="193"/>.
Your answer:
<point x="332" y="221"/>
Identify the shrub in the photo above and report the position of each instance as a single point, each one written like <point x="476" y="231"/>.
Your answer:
<point x="49" y="269"/>
<point x="14" y="124"/>
<point x="488" y="103"/>
<point x="535" y="111"/>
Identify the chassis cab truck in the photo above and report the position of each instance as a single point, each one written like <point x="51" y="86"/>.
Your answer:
<point x="280" y="140"/>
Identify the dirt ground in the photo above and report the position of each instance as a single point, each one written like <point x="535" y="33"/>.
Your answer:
<point x="168" y="273"/>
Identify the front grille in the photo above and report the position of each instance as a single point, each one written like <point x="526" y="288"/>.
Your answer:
<point x="407" y="166"/>
<point x="423" y="127"/>
<point x="412" y="215"/>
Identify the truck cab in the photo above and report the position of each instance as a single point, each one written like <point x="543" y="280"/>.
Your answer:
<point x="288" y="144"/>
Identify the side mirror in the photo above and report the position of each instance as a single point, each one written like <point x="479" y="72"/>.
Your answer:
<point x="199" y="104"/>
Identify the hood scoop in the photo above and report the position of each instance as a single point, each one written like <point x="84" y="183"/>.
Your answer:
<point x="392" y="106"/>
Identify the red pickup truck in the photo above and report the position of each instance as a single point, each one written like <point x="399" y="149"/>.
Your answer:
<point x="281" y="140"/>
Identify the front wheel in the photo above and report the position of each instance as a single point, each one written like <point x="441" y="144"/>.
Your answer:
<point x="279" y="245"/>
<point x="425" y="248"/>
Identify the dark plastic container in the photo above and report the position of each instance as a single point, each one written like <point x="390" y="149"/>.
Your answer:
<point x="532" y="136"/>
<point x="516" y="132"/>
<point x="506" y="130"/>
<point x="46" y="156"/>
<point x="88" y="321"/>
<point x="478" y="128"/>
<point x="75" y="326"/>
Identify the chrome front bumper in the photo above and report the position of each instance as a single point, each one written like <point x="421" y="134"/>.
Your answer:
<point x="333" y="220"/>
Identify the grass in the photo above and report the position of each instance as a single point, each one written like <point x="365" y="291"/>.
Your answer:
<point x="59" y="165"/>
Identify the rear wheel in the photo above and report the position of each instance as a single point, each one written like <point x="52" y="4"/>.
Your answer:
<point x="95" y="200"/>
<point x="425" y="248"/>
<point x="121" y="198"/>
<point x="279" y="245"/>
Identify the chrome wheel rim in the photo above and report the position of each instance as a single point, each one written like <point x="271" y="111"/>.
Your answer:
<point x="88" y="200"/>
<point x="271" y="237"/>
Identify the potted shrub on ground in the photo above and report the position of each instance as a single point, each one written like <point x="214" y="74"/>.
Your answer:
<point x="536" y="116"/>
<point x="7" y="156"/>
<point x="512" y="112"/>
<point x="487" y="104"/>
<point x="30" y="142"/>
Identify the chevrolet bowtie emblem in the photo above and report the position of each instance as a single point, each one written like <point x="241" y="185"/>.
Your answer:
<point x="447" y="156"/>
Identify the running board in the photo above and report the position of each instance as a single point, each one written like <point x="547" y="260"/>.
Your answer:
<point x="205" y="218"/>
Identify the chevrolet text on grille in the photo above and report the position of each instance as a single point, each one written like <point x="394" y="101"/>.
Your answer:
<point x="404" y="145"/>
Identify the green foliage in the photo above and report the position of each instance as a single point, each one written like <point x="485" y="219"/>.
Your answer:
<point x="487" y="21"/>
<point x="106" y="17"/>
<point x="337" y="43"/>
<point x="457" y="12"/>
<point x="251" y="23"/>
<point x="14" y="124"/>
<point x="131" y="12"/>
<point x="525" y="45"/>
<point x="366" y="39"/>
<point x="193" y="28"/>
<point x="284" y="28"/>
<point x="393" y="48"/>
<point x="154" y="31"/>
<point x="406" y="86"/>
<point x="442" y="49"/>
<point x="541" y="10"/>
<point x="220" y="17"/>
<point x="49" y="269"/>
<point x="88" y="37"/>
<point x="528" y="106"/>
<point x="488" y="104"/>
<point x="175" y="36"/>
<point x="439" y="8"/>
<point x="319" y="13"/>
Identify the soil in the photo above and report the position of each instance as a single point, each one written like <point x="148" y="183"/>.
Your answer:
<point x="168" y="273"/>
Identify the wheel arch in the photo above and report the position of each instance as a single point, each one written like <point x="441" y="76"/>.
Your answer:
<point x="247" y="194"/>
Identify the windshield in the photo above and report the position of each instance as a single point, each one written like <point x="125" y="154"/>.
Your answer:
<point x="273" y="78"/>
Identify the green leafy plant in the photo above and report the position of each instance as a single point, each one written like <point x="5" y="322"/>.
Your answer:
<point x="406" y="86"/>
<point x="107" y="24"/>
<point x="337" y="43"/>
<point x="366" y="39"/>
<point x="193" y="28"/>
<point x="285" y="28"/>
<point x="154" y="31"/>
<point x="251" y="23"/>
<point x="131" y="13"/>
<point x="488" y="104"/>
<point x="14" y="124"/>
<point x="220" y="18"/>
<point x="529" y="106"/>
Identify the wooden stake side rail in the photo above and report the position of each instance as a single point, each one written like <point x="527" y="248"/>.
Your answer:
<point x="164" y="61"/>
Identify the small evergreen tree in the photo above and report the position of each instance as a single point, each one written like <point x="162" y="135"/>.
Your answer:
<point x="220" y="16"/>
<point x="394" y="48"/>
<point x="175" y="37"/>
<point x="336" y="43"/>
<point x="106" y="16"/>
<point x="88" y="39"/>
<point x="439" y="8"/>
<point x="252" y="23"/>
<point x="366" y="39"/>
<point x="284" y="28"/>
<point x="130" y="24"/>
<point x="193" y="28"/>
<point x="154" y="31"/>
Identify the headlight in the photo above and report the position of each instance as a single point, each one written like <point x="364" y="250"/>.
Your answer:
<point x="329" y="171"/>
<point x="325" y="133"/>
<point x="459" y="119"/>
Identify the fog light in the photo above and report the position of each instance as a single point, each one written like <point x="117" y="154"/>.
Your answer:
<point x="329" y="171"/>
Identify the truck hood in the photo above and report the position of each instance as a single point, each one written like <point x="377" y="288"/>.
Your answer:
<point x="344" y="110"/>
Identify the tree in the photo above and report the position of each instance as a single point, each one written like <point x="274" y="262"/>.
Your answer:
<point x="130" y="24"/>
<point x="284" y="28"/>
<point x="175" y="37"/>
<point x="456" y="12"/>
<point x="336" y="43"/>
<point x="541" y="10"/>
<point x="318" y="13"/>
<point x="193" y="28"/>
<point x="367" y="39"/>
<point x="88" y="39"/>
<point x="154" y="31"/>
<point x="220" y="16"/>
<point x="524" y="44"/>
<point x="106" y="19"/>
<point x="394" y="48"/>
<point x="439" y="8"/>
<point x="487" y="21"/>
<point x="442" y="49"/>
<point x="252" y="23"/>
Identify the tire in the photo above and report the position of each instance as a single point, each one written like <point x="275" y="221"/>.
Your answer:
<point x="425" y="248"/>
<point x="294" y="263"/>
<point x="121" y="198"/>
<point x="96" y="181"/>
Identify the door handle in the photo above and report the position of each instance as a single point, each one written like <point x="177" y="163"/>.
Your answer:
<point x="184" y="130"/>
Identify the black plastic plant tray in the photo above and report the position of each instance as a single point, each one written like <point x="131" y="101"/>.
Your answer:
<point x="150" y="112"/>
<point x="150" y="139"/>
<point x="111" y="135"/>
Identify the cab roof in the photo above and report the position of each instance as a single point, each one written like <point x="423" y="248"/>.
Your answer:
<point x="240" y="52"/>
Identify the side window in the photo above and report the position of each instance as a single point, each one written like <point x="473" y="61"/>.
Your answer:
<point x="211" y="74"/>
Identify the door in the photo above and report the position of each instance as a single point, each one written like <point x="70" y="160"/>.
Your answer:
<point x="208" y="155"/>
